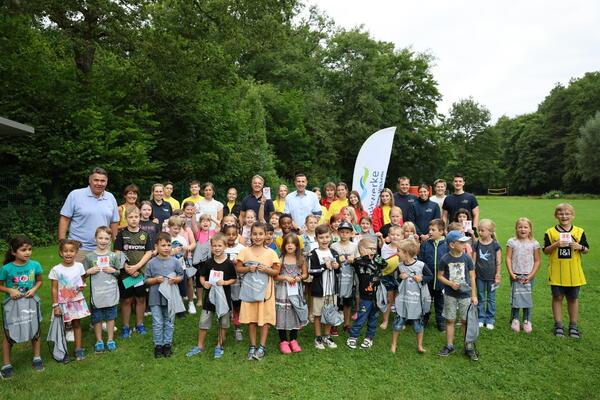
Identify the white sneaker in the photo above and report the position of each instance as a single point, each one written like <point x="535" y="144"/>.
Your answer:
<point x="481" y="324"/>
<point x="319" y="344"/>
<point x="70" y="335"/>
<point x="490" y="327"/>
<point x="328" y="341"/>
<point x="191" y="308"/>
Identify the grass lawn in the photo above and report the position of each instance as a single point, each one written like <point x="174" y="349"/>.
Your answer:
<point x="511" y="366"/>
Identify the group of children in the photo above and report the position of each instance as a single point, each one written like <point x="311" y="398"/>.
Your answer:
<point x="332" y="274"/>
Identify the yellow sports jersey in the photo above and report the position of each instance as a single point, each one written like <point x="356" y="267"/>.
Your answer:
<point x="174" y="203"/>
<point x="194" y="200"/>
<point x="565" y="263"/>
<point x="336" y="207"/>
<point x="279" y="241"/>
<point x="386" y="214"/>
<point x="323" y="219"/>
<point x="279" y="205"/>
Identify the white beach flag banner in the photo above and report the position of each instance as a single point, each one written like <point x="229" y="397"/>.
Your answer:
<point x="371" y="167"/>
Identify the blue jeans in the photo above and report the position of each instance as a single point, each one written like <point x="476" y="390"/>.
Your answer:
<point x="367" y="313"/>
<point x="487" y="301"/>
<point x="162" y="325"/>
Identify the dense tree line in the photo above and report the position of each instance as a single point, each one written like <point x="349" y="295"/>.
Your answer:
<point x="224" y="89"/>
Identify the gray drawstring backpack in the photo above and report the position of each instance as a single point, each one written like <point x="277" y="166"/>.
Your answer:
<point x="330" y="315"/>
<point x="346" y="280"/>
<point x="299" y="305"/>
<point x="216" y="296"/>
<point x="520" y="295"/>
<point x="21" y="319"/>
<point x="254" y="286"/>
<point x="56" y="335"/>
<point x="472" y="328"/>
<point x="381" y="297"/>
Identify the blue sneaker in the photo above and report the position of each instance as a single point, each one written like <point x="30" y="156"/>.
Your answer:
<point x="79" y="354"/>
<point x="219" y="352"/>
<point x="126" y="332"/>
<point x="140" y="329"/>
<point x="194" y="351"/>
<point x="99" y="346"/>
<point x="111" y="345"/>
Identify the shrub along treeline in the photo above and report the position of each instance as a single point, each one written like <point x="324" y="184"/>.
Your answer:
<point x="224" y="89"/>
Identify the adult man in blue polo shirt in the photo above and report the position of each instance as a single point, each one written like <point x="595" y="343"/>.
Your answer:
<point x="85" y="210"/>
<point x="301" y="203"/>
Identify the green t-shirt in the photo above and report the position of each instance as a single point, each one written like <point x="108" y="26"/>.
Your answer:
<point x="22" y="277"/>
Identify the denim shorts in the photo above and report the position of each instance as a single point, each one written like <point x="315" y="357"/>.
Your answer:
<point x="400" y="322"/>
<point x="103" y="314"/>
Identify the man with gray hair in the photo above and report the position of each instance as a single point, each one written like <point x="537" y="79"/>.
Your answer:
<point x="85" y="210"/>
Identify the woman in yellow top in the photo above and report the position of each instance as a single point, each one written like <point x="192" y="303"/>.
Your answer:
<point x="279" y="201"/>
<point x="565" y="243"/>
<point x="342" y="201"/>
<point x="131" y="194"/>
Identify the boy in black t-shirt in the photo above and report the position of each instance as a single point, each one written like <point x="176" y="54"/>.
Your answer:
<point x="137" y="247"/>
<point x="457" y="273"/>
<point x="219" y="271"/>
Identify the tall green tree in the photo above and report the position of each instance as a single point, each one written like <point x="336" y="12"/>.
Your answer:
<point x="588" y="150"/>
<point x="474" y="147"/>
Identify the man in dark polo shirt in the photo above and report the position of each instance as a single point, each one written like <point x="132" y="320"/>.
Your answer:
<point x="405" y="200"/>
<point x="262" y="206"/>
<point x="460" y="199"/>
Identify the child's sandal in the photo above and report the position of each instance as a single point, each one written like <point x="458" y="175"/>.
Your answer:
<point x="559" y="331"/>
<point x="574" y="332"/>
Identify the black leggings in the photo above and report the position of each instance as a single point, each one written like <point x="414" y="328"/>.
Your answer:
<point x="283" y="335"/>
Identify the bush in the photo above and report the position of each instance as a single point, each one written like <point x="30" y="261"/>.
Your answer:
<point x="38" y="222"/>
<point x="553" y="194"/>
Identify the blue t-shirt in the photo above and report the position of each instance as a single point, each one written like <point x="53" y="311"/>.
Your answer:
<point x="21" y="277"/>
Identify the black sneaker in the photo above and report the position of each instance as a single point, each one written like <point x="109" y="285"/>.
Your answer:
<point x="167" y="350"/>
<point x="441" y="327"/>
<point x="158" y="351"/>
<point x="446" y="351"/>
<point x="7" y="371"/>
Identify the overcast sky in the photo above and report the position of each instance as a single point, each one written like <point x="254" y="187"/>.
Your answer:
<point x="507" y="55"/>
